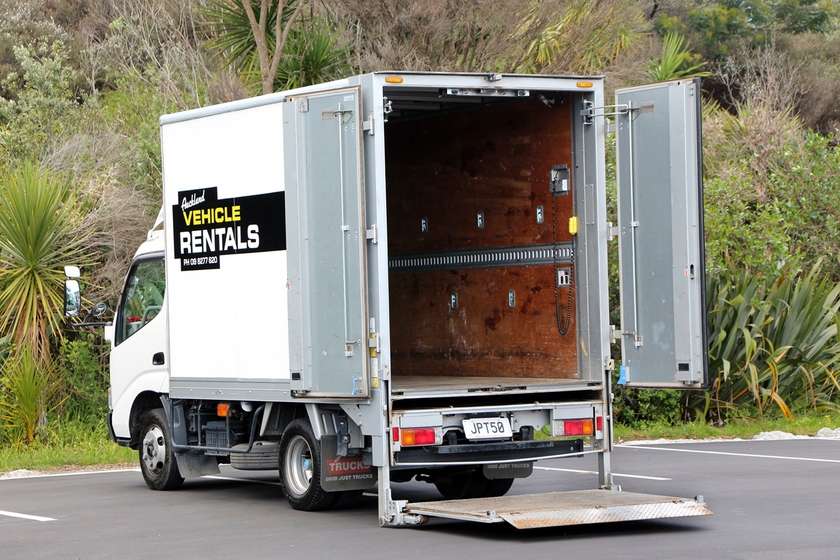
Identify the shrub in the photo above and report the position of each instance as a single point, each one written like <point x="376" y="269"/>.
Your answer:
<point x="637" y="407"/>
<point x="773" y="343"/>
<point x="85" y="378"/>
<point x="28" y="392"/>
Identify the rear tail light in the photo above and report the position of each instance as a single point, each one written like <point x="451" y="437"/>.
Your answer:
<point x="582" y="427"/>
<point x="599" y="423"/>
<point x="417" y="436"/>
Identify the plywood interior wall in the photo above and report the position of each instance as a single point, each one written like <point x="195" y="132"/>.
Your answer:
<point x="445" y="169"/>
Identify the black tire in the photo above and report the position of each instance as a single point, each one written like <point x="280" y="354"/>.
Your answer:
<point x="471" y="484"/>
<point x="157" y="458"/>
<point x="302" y="483"/>
<point x="498" y="487"/>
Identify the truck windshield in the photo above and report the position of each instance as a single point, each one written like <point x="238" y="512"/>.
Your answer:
<point x="143" y="297"/>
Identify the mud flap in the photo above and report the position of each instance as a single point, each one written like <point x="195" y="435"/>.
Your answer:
<point x="508" y="470"/>
<point x="340" y="474"/>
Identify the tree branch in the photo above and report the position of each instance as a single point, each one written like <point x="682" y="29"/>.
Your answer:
<point x="258" y="30"/>
<point x="280" y="39"/>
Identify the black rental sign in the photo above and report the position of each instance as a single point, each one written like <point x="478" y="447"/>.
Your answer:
<point x="206" y="227"/>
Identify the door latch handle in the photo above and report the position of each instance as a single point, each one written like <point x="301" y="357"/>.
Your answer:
<point x="157" y="359"/>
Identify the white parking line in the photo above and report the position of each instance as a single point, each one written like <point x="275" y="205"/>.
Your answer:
<point x="251" y="480"/>
<point x="25" y="516"/>
<point x="580" y="471"/>
<point x="755" y="455"/>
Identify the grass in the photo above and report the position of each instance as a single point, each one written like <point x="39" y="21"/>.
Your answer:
<point x="77" y="444"/>
<point x="738" y="428"/>
<point x="67" y="444"/>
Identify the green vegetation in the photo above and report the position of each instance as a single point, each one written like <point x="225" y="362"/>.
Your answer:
<point x="745" y="428"/>
<point x="82" y="85"/>
<point x="676" y="61"/>
<point x="67" y="444"/>
<point x="40" y="231"/>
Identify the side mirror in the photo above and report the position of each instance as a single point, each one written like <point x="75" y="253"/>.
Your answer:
<point x="72" y="298"/>
<point x="99" y="309"/>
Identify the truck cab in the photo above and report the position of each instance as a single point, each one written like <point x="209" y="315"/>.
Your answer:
<point x="402" y="276"/>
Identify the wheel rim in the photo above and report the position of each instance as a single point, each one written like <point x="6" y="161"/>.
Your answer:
<point x="297" y="466"/>
<point x="154" y="449"/>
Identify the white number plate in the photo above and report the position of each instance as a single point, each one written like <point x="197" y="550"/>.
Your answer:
<point x="487" y="428"/>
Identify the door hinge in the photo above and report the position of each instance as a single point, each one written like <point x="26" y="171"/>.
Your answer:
<point x="616" y="334"/>
<point x="367" y="125"/>
<point x="590" y="112"/>
<point x="370" y="234"/>
<point x="612" y="231"/>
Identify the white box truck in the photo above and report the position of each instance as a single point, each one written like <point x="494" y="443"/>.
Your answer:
<point x="403" y="275"/>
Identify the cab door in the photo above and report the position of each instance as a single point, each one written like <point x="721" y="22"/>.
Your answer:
<point x="325" y="224"/>
<point x="138" y="360"/>
<point x="660" y="216"/>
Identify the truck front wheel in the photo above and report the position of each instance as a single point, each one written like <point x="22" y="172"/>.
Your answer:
<point x="157" y="458"/>
<point x="300" y="468"/>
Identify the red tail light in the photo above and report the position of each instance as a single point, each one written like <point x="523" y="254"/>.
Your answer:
<point x="417" y="436"/>
<point x="599" y="423"/>
<point x="582" y="427"/>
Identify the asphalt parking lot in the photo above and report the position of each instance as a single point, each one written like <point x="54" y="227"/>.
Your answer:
<point x="772" y="499"/>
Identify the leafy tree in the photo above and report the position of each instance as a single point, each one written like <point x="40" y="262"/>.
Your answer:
<point x="676" y="61"/>
<point x="41" y="100"/>
<point x="717" y="28"/>
<point x="583" y="37"/>
<point x="40" y="232"/>
<point x="254" y="41"/>
<point x="313" y="54"/>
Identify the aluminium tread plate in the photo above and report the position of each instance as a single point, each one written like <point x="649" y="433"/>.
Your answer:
<point x="553" y="509"/>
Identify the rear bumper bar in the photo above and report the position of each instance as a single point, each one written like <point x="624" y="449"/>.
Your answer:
<point x="487" y="453"/>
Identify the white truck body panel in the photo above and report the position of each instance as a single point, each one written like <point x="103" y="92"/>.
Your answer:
<point x="239" y="153"/>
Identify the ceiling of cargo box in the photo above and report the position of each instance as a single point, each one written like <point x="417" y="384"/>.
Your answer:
<point x="415" y="103"/>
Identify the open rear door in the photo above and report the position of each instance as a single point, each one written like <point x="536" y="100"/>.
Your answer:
<point x="326" y="243"/>
<point x="660" y="217"/>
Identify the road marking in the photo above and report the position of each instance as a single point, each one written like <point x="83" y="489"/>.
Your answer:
<point x="755" y="455"/>
<point x="75" y="473"/>
<point x="251" y="480"/>
<point x="580" y="471"/>
<point x="25" y="516"/>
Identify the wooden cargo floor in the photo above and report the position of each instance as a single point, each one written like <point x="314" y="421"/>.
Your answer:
<point x="432" y="384"/>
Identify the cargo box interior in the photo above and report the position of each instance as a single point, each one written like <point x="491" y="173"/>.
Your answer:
<point x="482" y="286"/>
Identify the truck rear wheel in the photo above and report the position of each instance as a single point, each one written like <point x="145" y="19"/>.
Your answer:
<point x="157" y="458"/>
<point x="300" y="469"/>
<point x="472" y="484"/>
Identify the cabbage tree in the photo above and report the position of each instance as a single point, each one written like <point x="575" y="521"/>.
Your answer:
<point x="41" y="230"/>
